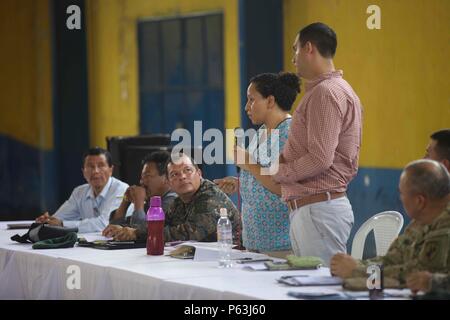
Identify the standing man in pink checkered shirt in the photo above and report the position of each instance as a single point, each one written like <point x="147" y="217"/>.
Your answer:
<point x="321" y="154"/>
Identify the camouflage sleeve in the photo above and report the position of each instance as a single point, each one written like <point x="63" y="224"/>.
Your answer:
<point x="392" y="257"/>
<point x="432" y="255"/>
<point x="223" y="201"/>
<point x="393" y="261"/>
<point x="396" y="251"/>
<point x="359" y="276"/>
<point x="361" y="267"/>
<point x="360" y="283"/>
<point x="235" y="219"/>
<point x="440" y="282"/>
<point x="200" y="224"/>
<point x="168" y="201"/>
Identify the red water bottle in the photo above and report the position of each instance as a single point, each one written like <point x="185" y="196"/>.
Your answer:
<point x="155" y="227"/>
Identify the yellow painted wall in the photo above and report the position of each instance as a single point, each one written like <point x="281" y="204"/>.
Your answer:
<point x="400" y="72"/>
<point x="25" y="76"/>
<point x="113" y="60"/>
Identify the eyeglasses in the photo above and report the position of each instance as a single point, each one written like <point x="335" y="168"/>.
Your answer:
<point x="186" y="171"/>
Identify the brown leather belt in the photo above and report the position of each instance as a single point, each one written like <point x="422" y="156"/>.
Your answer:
<point x="297" y="203"/>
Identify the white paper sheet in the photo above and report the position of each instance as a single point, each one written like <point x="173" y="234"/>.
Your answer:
<point x="96" y="236"/>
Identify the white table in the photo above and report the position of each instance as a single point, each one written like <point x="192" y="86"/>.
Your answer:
<point x="128" y="274"/>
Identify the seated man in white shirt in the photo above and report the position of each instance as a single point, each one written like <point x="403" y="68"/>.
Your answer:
<point x="90" y="204"/>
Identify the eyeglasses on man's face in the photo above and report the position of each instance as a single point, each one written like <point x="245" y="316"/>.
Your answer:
<point x="188" y="171"/>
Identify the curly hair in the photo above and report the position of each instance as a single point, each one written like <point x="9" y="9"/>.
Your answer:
<point x="283" y="86"/>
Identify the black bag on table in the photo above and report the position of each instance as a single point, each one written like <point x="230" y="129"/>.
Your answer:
<point x="41" y="231"/>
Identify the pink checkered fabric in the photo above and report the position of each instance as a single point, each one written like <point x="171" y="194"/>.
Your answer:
<point x="322" y="151"/>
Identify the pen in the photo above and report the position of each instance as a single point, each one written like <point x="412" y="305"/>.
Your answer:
<point x="120" y="242"/>
<point x="294" y="276"/>
<point x="250" y="260"/>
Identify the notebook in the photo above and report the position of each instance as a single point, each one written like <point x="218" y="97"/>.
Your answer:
<point x="111" y="244"/>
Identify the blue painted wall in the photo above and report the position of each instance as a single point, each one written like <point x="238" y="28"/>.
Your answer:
<point x="27" y="180"/>
<point x="374" y="190"/>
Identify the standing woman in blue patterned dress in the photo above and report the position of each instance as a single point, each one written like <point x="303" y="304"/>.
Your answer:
<point x="265" y="217"/>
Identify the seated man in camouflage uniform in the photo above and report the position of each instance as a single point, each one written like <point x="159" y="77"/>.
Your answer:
<point x="194" y="214"/>
<point x="425" y="193"/>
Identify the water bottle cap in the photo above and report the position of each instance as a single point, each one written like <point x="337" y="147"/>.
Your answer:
<point x="155" y="201"/>
<point x="223" y="212"/>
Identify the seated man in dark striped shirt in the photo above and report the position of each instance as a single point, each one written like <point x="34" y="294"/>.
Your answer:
<point x="135" y="203"/>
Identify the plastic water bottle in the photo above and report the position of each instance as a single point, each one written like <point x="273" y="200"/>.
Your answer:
<point x="155" y="227"/>
<point x="225" y="239"/>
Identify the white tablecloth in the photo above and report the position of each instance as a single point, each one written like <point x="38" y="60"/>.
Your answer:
<point x="128" y="274"/>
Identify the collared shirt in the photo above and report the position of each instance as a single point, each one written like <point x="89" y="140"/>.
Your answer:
<point x="90" y="213"/>
<point x="322" y="151"/>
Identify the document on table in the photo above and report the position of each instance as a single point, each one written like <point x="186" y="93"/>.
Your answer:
<point x="95" y="236"/>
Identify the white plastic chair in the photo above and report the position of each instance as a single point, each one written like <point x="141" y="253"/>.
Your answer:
<point x="385" y="225"/>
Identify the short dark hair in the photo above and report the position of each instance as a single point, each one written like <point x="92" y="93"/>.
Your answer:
<point x="160" y="159"/>
<point x="283" y="86"/>
<point x="180" y="154"/>
<point x="442" y="138"/>
<point x="322" y="36"/>
<point x="96" y="151"/>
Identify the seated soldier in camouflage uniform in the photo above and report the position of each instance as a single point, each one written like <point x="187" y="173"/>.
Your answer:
<point x="194" y="214"/>
<point x="425" y="193"/>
